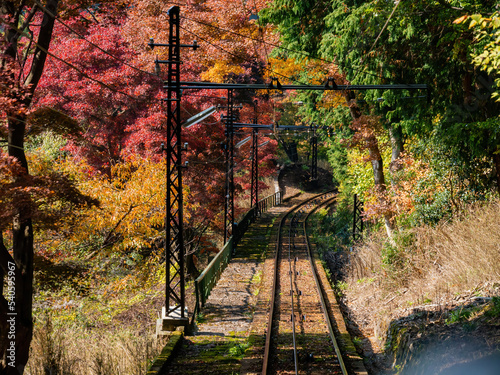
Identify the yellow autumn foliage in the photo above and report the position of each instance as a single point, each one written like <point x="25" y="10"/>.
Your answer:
<point x="284" y="67"/>
<point x="132" y="204"/>
<point x="317" y="71"/>
<point x="219" y="71"/>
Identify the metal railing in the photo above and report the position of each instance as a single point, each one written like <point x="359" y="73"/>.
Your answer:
<point x="212" y="273"/>
<point x="270" y="201"/>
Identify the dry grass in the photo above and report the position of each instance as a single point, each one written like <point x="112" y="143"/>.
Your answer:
<point x="75" y="351"/>
<point x="430" y="268"/>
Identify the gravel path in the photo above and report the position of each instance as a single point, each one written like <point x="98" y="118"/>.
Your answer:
<point x="229" y="309"/>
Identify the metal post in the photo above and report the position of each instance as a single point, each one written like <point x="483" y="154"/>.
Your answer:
<point x="357" y="225"/>
<point x="314" y="159"/>
<point x="229" y="159"/>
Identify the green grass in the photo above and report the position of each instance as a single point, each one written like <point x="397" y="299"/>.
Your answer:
<point x="458" y="315"/>
<point x="493" y="310"/>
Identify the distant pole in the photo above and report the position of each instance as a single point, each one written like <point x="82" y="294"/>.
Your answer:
<point x="254" y="190"/>
<point x="357" y="226"/>
<point x="254" y="194"/>
<point x="229" y="160"/>
<point x="314" y="153"/>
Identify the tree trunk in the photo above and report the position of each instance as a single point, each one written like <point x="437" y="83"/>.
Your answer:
<point x="397" y="144"/>
<point x="16" y="321"/>
<point x="379" y="180"/>
<point x="16" y="314"/>
<point x="191" y="269"/>
<point x="377" y="165"/>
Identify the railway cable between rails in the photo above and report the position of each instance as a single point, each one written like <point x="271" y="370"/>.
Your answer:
<point x="300" y="337"/>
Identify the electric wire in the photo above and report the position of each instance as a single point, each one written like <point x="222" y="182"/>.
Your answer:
<point x="238" y="56"/>
<point x="189" y="19"/>
<point x="45" y="10"/>
<point x="305" y="54"/>
<point x="241" y="35"/>
<point x="262" y="41"/>
<point x="248" y="37"/>
<point x="379" y="35"/>
<point x="85" y="75"/>
<point x="385" y="26"/>
<point x="262" y="35"/>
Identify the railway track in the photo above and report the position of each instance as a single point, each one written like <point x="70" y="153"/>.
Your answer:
<point x="300" y="337"/>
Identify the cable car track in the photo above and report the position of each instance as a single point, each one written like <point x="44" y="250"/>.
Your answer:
<point x="299" y="324"/>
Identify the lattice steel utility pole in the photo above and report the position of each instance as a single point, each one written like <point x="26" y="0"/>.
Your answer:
<point x="175" y="311"/>
<point x="229" y="160"/>
<point x="254" y="189"/>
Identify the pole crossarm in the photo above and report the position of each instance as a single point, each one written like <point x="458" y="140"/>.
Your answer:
<point x="260" y="86"/>
<point x="238" y="125"/>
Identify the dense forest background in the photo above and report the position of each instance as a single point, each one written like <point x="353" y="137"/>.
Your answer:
<point x="82" y="174"/>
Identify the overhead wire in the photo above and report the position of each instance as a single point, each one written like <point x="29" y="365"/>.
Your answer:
<point x="379" y="35"/>
<point x="385" y="25"/>
<point x="236" y="55"/>
<point x="151" y="74"/>
<point x="45" y="10"/>
<point x="251" y="38"/>
<point x="338" y="100"/>
<point x="264" y="43"/>
<point x="72" y="66"/>
<point x="305" y="54"/>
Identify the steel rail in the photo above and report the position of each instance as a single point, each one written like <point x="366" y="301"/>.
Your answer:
<point x="294" y="338"/>
<point x="270" y="324"/>
<point x="321" y="290"/>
